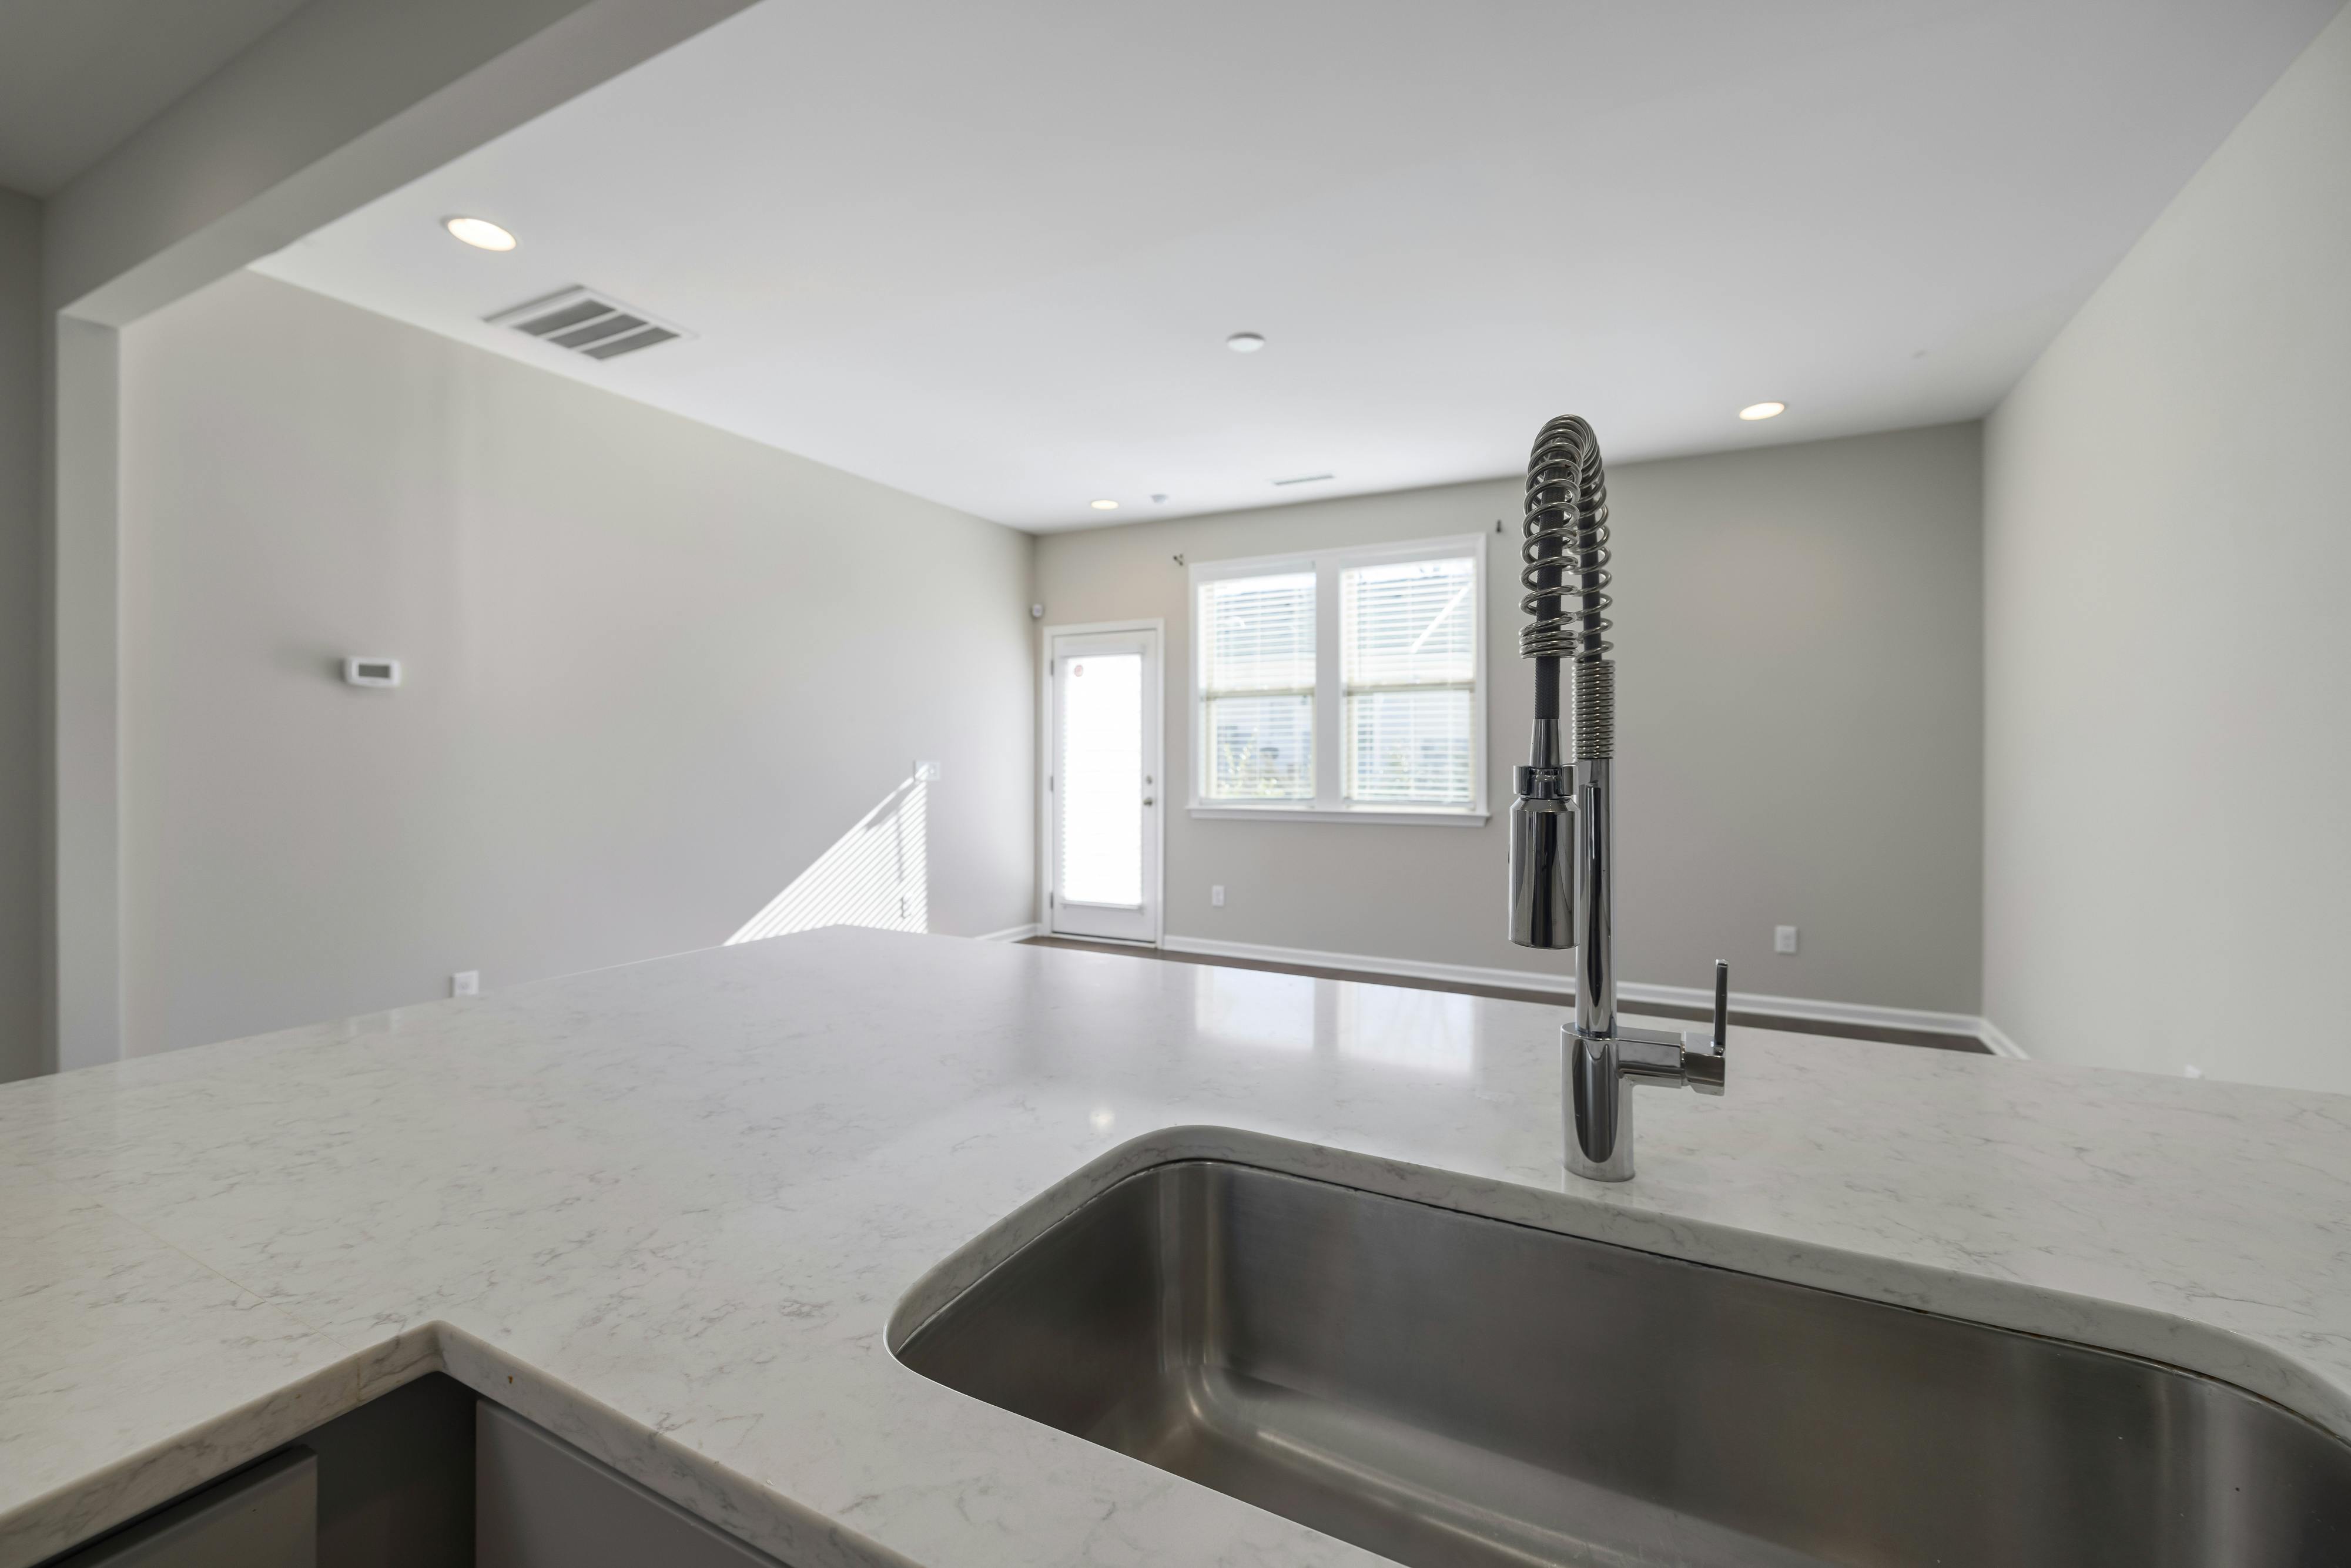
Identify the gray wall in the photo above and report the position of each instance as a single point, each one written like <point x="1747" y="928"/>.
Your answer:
<point x="653" y="671"/>
<point x="2167" y="854"/>
<point x="346" y="100"/>
<point x="21" y="1050"/>
<point x="1800" y="707"/>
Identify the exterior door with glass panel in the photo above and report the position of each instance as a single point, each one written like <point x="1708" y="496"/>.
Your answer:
<point x="1105" y="784"/>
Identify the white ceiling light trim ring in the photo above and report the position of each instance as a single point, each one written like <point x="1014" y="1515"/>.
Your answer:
<point x="479" y="232"/>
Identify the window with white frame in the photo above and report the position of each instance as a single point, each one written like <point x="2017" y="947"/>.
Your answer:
<point x="1347" y="684"/>
<point x="1256" y="688"/>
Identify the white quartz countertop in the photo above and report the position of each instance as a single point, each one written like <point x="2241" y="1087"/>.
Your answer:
<point x="668" y="1211"/>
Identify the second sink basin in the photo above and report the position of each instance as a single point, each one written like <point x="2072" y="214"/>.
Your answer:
<point x="1445" y="1389"/>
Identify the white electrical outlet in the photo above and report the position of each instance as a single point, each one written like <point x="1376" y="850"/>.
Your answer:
<point x="1783" y="938"/>
<point x="926" y="772"/>
<point x="466" y="983"/>
<point x="372" y="672"/>
<point x="1217" y="893"/>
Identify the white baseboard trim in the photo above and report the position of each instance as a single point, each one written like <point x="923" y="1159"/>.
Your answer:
<point x="1808" y="1008"/>
<point x="1631" y="992"/>
<point x="1011" y="933"/>
<point x="1996" y="1040"/>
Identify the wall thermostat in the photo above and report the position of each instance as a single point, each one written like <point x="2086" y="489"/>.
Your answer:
<point x="372" y="672"/>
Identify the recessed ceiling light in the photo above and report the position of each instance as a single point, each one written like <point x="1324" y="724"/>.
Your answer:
<point x="1105" y="505"/>
<point x="479" y="232"/>
<point x="1246" y="342"/>
<point x="1763" y="411"/>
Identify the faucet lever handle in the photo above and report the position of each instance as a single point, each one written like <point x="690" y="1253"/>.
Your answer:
<point x="1703" y="1069"/>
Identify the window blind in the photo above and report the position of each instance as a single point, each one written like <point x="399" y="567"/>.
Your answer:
<point x="1257" y="686"/>
<point x="1408" y="653"/>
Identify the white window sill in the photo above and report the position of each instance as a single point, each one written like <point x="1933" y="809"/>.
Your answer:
<point x="1437" y="817"/>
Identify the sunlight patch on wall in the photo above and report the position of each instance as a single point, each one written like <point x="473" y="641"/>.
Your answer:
<point x="876" y="875"/>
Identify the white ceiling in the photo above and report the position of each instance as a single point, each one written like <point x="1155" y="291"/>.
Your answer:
<point x="79" y="75"/>
<point x="990" y="253"/>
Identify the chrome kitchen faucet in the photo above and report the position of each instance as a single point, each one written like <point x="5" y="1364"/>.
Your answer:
<point x="1562" y="836"/>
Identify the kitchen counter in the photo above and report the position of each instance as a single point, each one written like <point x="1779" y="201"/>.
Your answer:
<point x="669" y="1212"/>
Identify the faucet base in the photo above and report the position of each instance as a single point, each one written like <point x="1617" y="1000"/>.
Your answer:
<point x="1597" y="1107"/>
<point x="1602" y="1070"/>
<point x="1617" y="1166"/>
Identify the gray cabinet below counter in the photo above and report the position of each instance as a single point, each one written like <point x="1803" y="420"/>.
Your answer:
<point x="266" y="1516"/>
<point x="427" y="1475"/>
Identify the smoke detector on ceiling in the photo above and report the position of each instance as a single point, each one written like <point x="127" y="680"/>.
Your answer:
<point x="584" y="321"/>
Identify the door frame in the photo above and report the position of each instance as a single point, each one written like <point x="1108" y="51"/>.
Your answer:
<point x="1047" y="866"/>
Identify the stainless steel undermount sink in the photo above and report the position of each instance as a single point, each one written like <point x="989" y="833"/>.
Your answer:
<point x="1445" y="1389"/>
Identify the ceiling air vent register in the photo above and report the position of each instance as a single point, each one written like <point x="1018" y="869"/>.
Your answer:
<point x="583" y="321"/>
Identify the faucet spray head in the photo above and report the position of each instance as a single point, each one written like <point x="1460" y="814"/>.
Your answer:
<point x="1542" y="844"/>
